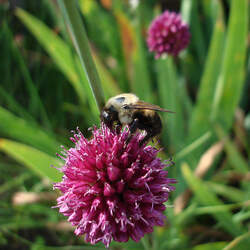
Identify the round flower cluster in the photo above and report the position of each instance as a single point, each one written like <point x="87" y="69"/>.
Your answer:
<point x="113" y="189"/>
<point x="168" y="34"/>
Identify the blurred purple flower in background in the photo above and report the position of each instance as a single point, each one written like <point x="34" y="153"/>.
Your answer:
<point x="168" y="34"/>
<point x="113" y="190"/>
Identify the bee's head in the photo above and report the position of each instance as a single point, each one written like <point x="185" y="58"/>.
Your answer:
<point x="109" y="115"/>
<point x="114" y="108"/>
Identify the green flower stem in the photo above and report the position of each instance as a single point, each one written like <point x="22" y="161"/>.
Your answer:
<point x="145" y="242"/>
<point x="80" y="40"/>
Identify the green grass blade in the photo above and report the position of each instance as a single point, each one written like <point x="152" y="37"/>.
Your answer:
<point x="35" y="103"/>
<point x="169" y="95"/>
<point x="199" y="122"/>
<point x="141" y="77"/>
<point x="189" y="11"/>
<point x="190" y="148"/>
<point x="186" y="101"/>
<point x="186" y="9"/>
<point x="12" y="105"/>
<point x="128" y="45"/>
<point x="235" y="158"/>
<point x="240" y="217"/>
<point x="60" y="52"/>
<point x="15" y="182"/>
<point x="231" y="79"/>
<point x="219" y="208"/>
<point x="22" y="130"/>
<point x="239" y="243"/>
<point x="37" y="161"/>
<point x="197" y="33"/>
<point x="191" y="66"/>
<point x="81" y="44"/>
<point x="141" y="74"/>
<point x="207" y="198"/>
<point x="98" y="22"/>
<point x="110" y="86"/>
<point x="209" y="246"/>
<point x="231" y="193"/>
<point x="92" y="116"/>
<point x="210" y="10"/>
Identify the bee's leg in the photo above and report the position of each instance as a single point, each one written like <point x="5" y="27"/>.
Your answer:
<point x="118" y="128"/>
<point x="146" y="138"/>
<point x="150" y="134"/>
<point x="132" y="128"/>
<point x="153" y="128"/>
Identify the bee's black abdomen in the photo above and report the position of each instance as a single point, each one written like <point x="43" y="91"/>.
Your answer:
<point x="149" y="121"/>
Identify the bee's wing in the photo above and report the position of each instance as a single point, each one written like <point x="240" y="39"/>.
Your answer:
<point x="145" y="105"/>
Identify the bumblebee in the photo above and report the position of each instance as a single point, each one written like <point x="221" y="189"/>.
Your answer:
<point x="127" y="109"/>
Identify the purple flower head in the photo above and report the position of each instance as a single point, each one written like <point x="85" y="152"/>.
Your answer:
<point x="112" y="189"/>
<point x="168" y="34"/>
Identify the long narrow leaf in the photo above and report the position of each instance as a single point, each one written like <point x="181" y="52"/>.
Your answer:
<point x="231" y="79"/>
<point x="235" y="158"/>
<point x="169" y="94"/>
<point x="189" y="11"/>
<point x="67" y="62"/>
<point x="199" y="123"/>
<point x="35" y="103"/>
<point x="34" y="159"/>
<point x="20" y="129"/>
<point x="231" y="193"/>
<point x="207" y="198"/>
<point x="64" y="58"/>
<point x="210" y="10"/>
<point x="57" y="49"/>
<point x="14" y="106"/>
<point x="141" y="74"/>
<point x="128" y="41"/>
<point x="109" y="85"/>
<point x="209" y="246"/>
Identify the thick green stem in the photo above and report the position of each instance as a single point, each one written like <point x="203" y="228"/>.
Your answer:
<point x="145" y="242"/>
<point x="80" y="40"/>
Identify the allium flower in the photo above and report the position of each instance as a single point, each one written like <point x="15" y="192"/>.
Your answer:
<point x="168" y="34"/>
<point x="113" y="190"/>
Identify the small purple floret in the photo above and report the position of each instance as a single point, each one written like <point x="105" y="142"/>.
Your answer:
<point x="168" y="34"/>
<point x="112" y="189"/>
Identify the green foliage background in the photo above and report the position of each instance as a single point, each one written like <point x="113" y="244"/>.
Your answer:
<point x="44" y="94"/>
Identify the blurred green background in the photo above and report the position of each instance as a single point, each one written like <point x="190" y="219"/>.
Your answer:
<point x="44" y="94"/>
